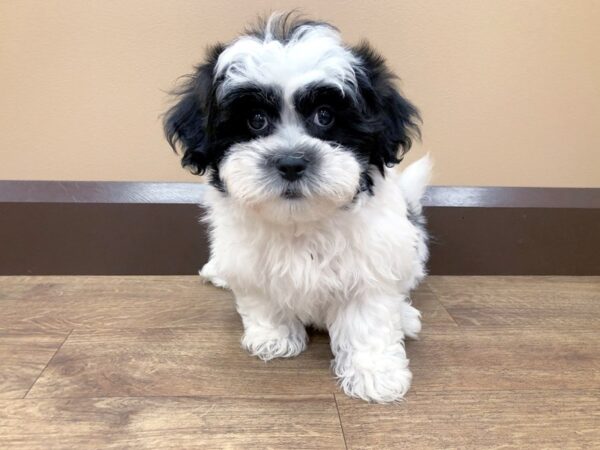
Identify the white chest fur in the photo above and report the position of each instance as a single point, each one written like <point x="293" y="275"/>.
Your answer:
<point x="368" y="247"/>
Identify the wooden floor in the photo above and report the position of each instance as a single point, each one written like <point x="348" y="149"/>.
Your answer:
<point x="155" y="362"/>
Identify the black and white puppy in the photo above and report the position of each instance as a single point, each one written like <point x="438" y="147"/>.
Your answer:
<point x="309" y="224"/>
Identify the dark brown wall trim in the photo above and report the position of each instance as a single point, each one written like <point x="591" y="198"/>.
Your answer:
<point x="191" y="193"/>
<point x="512" y="197"/>
<point x="99" y="192"/>
<point x="115" y="228"/>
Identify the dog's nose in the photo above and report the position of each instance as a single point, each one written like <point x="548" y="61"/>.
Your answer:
<point x="291" y="168"/>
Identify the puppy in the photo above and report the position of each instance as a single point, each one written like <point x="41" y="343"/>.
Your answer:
<point x="309" y="225"/>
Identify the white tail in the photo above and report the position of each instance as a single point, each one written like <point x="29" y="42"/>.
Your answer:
<point x="414" y="180"/>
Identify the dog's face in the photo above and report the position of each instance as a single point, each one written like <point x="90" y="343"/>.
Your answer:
<point x="289" y="122"/>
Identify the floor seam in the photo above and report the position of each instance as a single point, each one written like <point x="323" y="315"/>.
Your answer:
<point x="340" y="420"/>
<point x="47" y="364"/>
<point x="303" y="396"/>
<point x="437" y="299"/>
<point x="448" y="312"/>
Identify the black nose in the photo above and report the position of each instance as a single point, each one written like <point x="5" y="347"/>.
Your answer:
<point x="291" y="168"/>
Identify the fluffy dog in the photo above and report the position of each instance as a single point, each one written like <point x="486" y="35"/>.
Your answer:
<point x="309" y="224"/>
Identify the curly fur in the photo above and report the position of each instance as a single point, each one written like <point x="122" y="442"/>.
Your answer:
<point x="341" y="245"/>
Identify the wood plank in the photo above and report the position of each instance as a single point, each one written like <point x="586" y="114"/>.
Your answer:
<point x="546" y="302"/>
<point x="446" y="359"/>
<point x="475" y="420"/>
<point x="186" y="422"/>
<point x="210" y="362"/>
<point x="433" y="312"/>
<point x="64" y="303"/>
<point x="520" y="370"/>
<point x="23" y="356"/>
<point x="176" y="362"/>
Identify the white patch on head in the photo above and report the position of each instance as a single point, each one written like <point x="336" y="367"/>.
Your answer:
<point x="314" y="53"/>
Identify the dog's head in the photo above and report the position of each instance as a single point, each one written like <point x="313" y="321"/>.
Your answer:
<point x="289" y="121"/>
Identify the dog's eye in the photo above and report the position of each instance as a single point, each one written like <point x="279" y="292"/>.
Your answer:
<point x="258" y="121"/>
<point x="323" y="117"/>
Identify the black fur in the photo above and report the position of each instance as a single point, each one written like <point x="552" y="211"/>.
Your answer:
<point x="188" y="123"/>
<point x="395" y="119"/>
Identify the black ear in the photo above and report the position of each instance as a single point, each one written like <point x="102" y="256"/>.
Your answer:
<point x="186" y="123"/>
<point x="393" y="116"/>
<point x="400" y="120"/>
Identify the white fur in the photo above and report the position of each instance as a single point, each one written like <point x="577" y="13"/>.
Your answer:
<point x="415" y="179"/>
<point x="314" y="53"/>
<point x="348" y="267"/>
<point x="210" y="272"/>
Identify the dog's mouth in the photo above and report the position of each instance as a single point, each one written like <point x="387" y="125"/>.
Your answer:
<point x="291" y="193"/>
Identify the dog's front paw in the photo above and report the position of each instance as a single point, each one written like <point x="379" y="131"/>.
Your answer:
<point x="210" y="273"/>
<point x="411" y="320"/>
<point x="374" y="378"/>
<point x="280" y="342"/>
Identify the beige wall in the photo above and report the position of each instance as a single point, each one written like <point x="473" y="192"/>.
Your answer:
<point x="509" y="89"/>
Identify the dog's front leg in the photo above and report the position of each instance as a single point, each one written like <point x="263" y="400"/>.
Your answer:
<point x="269" y="331"/>
<point x="367" y="342"/>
